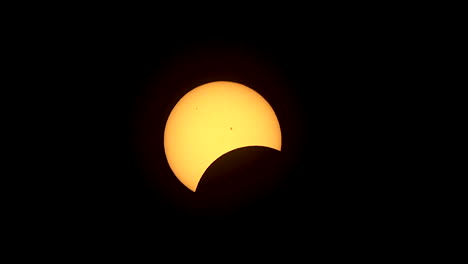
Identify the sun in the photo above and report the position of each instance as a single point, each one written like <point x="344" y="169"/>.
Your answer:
<point x="213" y="119"/>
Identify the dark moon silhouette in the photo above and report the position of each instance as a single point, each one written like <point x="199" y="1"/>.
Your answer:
<point x="239" y="180"/>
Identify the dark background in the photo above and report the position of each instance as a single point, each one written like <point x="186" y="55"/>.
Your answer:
<point x="331" y="84"/>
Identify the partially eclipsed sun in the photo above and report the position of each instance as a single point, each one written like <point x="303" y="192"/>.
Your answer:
<point x="213" y="119"/>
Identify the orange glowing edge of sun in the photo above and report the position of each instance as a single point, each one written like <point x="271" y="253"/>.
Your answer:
<point x="213" y="119"/>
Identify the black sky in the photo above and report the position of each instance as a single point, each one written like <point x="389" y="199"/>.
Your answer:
<point x="331" y="85"/>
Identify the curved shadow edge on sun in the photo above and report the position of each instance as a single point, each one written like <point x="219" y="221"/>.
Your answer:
<point x="242" y="179"/>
